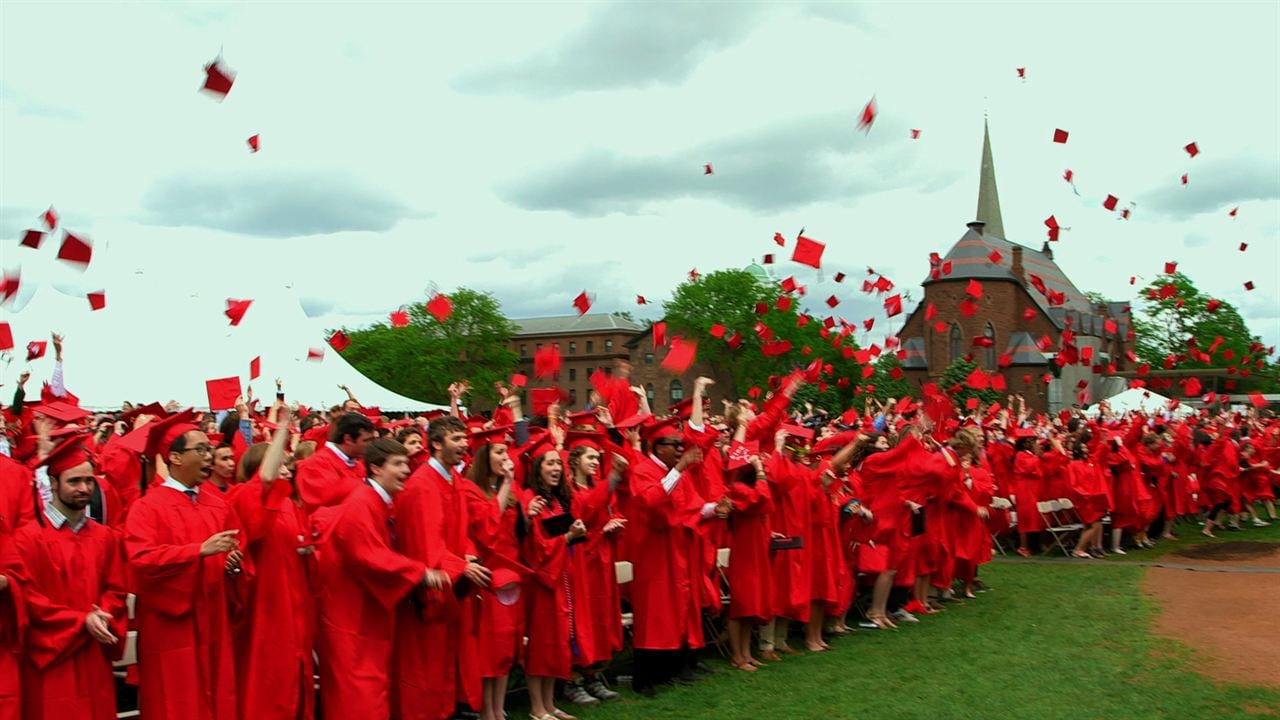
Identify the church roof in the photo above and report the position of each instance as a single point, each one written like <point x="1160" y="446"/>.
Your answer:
<point x="1022" y="350"/>
<point x="913" y="354"/>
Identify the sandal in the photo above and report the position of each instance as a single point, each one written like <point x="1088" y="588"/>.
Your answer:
<point x="744" y="666"/>
<point x="770" y="655"/>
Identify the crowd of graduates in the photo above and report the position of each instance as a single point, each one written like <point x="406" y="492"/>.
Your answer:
<point x="411" y="565"/>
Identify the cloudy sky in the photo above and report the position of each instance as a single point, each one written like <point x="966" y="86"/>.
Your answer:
<point x="536" y="150"/>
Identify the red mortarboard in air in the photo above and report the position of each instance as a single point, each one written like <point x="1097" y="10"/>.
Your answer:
<point x="255" y="368"/>
<point x="762" y="308"/>
<point x="1037" y="282"/>
<point x="399" y="319"/>
<point x="774" y="348"/>
<point x="97" y="300"/>
<point x="236" y="310"/>
<point x="789" y="285"/>
<point x="995" y="257"/>
<point x="940" y="326"/>
<point x="1193" y="387"/>
<point x="9" y="285"/>
<point x="1060" y="136"/>
<point x="222" y="393"/>
<point x="973" y="289"/>
<point x="978" y="380"/>
<point x="51" y="218"/>
<point x="734" y="341"/>
<point x="717" y="330"/>
<point x="36" y="349"/>
<point x="1057" y="298"/>
<point x="968" y="307"/>
<point x="693" y="275"/>
<point x="659" y="334"/>
<point x="1184" y="178"/>
<point x="706" y="169"/>
<point x="1051" y="222"/>
<point x="641" y="301"/>
<point x="547" y="362"/>
<point x="915" y="134"/>
<point x="777" y="237"/>
<point x="1248" y="285"/>
<point x="1192" y="149"/>
<point x="930" y="312"/>
<point x="339" y="341"/>
<point x="33" y="239"/>
<point x="1005" y="360"/>
<point x="767" y="259"/>
<point x="783" y="303"/>
<point x="1258" y="400"/>
<point x="840" y="277"/>
<point x="1213" y="305"/>
<point x="1244" y="246"/>
<point x="1068" y="175"/>
<point x="582" y="302"/>
<point x="1029" y="314"/>
<point x="315" y="354"/>
<point x="253" y="143"/>
<point x="1234" y="210"/>
<point x="868" y="115"/>
<point x="440" y="307"/>
<point x="808" y="252"/>
<point x="1170" y="268"/>
<point x="1022" y="73"/>
<point x="1109" y="326"/>
<point x="1110" y="202"/>
<point x="681" y="355"/>
<point x="833" y="301"/>
<point x="983" y="341"/>
<point x="218" y="80"/>
<point x="893" y="305"/>
<point x="76" y="250"/>
<point x="868" y="324"/>
<point x="519" y="380"/>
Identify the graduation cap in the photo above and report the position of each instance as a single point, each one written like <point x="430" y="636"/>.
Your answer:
<point x="51" y="218"/>
<point x="659" y="334"/>
<point x="968" y="307"/>
<point x="68" y="455"/>
<point x="440" y="307"/>
<point x="1060" y="136"/>
<point x="1192" y="149"/>
<point x="339" y="341"/>
<point x="253" y="143"/>
<point x="893" y="305"/>
<point x="32" y="239"/>
<point x="681" y="355"/>
<point x="97" y="300"/>
<point x="869" y="112"/>
<point x="222" y="392"/>
<point x="36" y="349"/>
<point x="544" y="397"/>
<point x="582" y="303"/>
<point x="707" y="170"/>
<point x="593" y="439"/>
<point x="255" y="368"/>
<point x="75" y="250"/>
<point x="641" y="301"/>
<point x="973" y="289"/>
<point x="236" y="309"/>
<point x="1111" y="202"/>
<point x="315" y="354"/>
<point x="808" y="252"/>
<point x="163" y="433"/>
<point x="668" y="427"/>
<point x="915" y="134"/>
<point x="218" y="79"/>
<point x="399" y="319"/>
<point x="547" y="361"/>
<point x="154" y="409"/>
<point x="508" y="575"/>
<point x="61" y="411"/>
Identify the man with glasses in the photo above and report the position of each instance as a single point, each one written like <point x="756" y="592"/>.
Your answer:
<point x="187" y="566"/>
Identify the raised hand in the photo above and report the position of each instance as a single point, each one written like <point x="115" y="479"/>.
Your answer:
<point x="220" y="542"/>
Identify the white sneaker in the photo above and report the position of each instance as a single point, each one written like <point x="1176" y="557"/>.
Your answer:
<point x="1118" y="551"/>
<point x="903" y="616"/>
<point x="1259" y="522"/>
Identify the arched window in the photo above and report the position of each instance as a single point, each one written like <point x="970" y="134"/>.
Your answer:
<point x="990" y="334"/>
<point x="649" y="393"/>
<point x="677" y="391"/>
<point x="957" y="343"/>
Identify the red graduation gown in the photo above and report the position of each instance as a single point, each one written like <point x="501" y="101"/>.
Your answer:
<point x="501" y="627"/>
<point x="663" y="528"/>
<point x="122" y="468"/>
<point x="597" y="613"/>
<point x="274" y="643"/>
<point x="1089" y="491"/>
<point x="324" y="479"/>
<point x="66" y="673"/>
<point x="750" y="572"/>
<point x="361" y="580"/>
<point x="973" y="541"/>
<point x="436" y="663"/>
<point x="17" y="499"/>
<point x="791" y="569"/>
<point x="13" y="624"/>
<point x="1028" y="479"/>
<point x="827" y="559"/>
<point x="549" y="609"/>
<point x="184" y="605"/>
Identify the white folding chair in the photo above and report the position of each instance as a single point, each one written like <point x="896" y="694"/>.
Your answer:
<point x="1058" y="523"/>
<point x="623" y="572"/>
<point x="999" y="503"/>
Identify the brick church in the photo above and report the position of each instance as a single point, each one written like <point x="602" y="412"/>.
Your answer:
<point x="1025" y="297"/>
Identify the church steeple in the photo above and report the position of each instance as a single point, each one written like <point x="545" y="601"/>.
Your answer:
<point x="988" y="197"/>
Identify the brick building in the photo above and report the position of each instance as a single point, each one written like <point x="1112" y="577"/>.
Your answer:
<point x="586" y="342"/>
<point x="1009" y="296"/>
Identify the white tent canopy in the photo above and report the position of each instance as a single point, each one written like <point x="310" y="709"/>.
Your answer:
<point x="1140" y="399"/>
<point x="148" y="345"/>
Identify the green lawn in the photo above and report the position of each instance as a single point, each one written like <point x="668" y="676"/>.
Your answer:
<point x="1050" y="642"/>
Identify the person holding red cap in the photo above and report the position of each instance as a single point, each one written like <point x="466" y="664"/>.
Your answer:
<point x="13" y="612"/>
<point x="1028" y="480"/>
<point x="189" y="575"/>
<point x="75" y="597"/>
<point x="328" y="477"/>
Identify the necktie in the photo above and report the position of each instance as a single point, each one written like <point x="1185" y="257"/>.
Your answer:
<point x="191" y="494"/>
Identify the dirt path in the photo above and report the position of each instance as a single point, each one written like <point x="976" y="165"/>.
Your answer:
<point x="1223" y="616"/>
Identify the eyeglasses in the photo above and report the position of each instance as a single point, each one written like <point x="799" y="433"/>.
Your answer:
<point x="201" y="450"/>
<point x="671" y="443"/>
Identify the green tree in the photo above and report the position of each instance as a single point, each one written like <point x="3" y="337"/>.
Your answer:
<point x="730" y="298"/>
<point x="886" y="386"/>
<point x="957" y="373"/>
<point x="420" y="360"/>
<point x="1164" y="325"/>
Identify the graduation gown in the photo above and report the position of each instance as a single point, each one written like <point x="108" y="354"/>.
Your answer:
<point x="324" y="479"/>
<point x="826" y="559"/>
<point x="121" y="465"/>
<point x="362" y="580"/>
<point x="1089" y="491"/>
<point x="435" y="660"/>
<point x="791" y="569"/>
<point x="663" y="529"/>
<point x="597" y="614"/>
<point x="17" y="498"/>
<point x="1028" y="480"/>
<point x="973" y="541"/>
<point x="65" y="672"/>
<point x="549" y="600"/>
<point x="501" y="627"/>
<point x="13" y="624"/>
<point x="184" y="605"/>
<point x="750" y="573"/>
<point x="275" y="641"/>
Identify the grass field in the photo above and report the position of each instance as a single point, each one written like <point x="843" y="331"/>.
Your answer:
<point x="1051" y="641"/>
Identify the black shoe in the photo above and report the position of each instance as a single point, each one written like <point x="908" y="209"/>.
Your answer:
<point x="701" y="667"/>
<point x="646" y="691"/>
<point x="687" y="676"/>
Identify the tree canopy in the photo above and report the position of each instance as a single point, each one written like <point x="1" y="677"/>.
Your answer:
<point x="421" y="359"/>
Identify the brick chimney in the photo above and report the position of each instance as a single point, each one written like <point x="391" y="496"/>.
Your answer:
<point x="1017" y="263"/>
<point x="977" y="226"/>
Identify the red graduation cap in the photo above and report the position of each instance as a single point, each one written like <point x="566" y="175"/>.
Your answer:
<point x="978" y="380"/>
<point x="767" y="259"/>
<point x="1060" y="136"/>
<point x="659" y="334"/>
<point x="36" y="349"/>
<point x="840" y="277"/>
<point x="547" y="362"/>
<point x="440" y="307"/>
<point x="940" y="326"/>
<point x="1037" y="282"/>
<point x="781" y="241"/>
<point x="893" y="305"/>
<point x="930" y="312"/>
<point x="915" y="134"/>
<point x="544" y="397"/>
<point x="255" y="368"/>
<point x="1257" y="399"/>
<point x="717" y="330"/>
<point x="1244" y="246"/>
<point x="1005" y="360"/>
<point x="706" y="169"/>
<point x="762" y="308"/>
<point x="1051" y="222"/>
<point x="1248" y="285"/>
<point x="995" y="257"/>
<point x="339" y="341"/>
<point x="869" y="113"/>
<point x="32" y="239"/>
<point x="968" y="307"/>
<point x="641" y="301"/>
<point x="222" y="393"/>
<point x="162" y="433"/>
<point x="1170" y="268"/>
<point x="51" y="218"/>
<point x="681" y="355"/>
<point x="1184" y="178"/>
<point x="97" y="300"/>
<point x="802" y="320"/>
<point x="833" y="301"/>
<point x="399" y="319"/>
<point x="1109" y="326"/>
<point x="789" y="285"/>
<point x="808" y="252"/>
<point x="1022" y="73"/>
<point x="1213" y="305"/>
<point x="734" y="341"/>
<point x="1110" y="202"/>
<point x="218" y="79"/>
<point x="253" y="143"/>
<point x="6" y="336"/>
<point x="973" y="289"/>
<point x="1234" y="210"/>
<point x="236" y="310"/>
<point x="9" y="285"/>
<point x="582" y="302"/>
<point x="493" y="436"/>
<point x="519" y="380"/>
<point x="783" y="303"/>
<point x="868" y="324"/>
<point x="1029" y="314"/>
<point x="1192" y="149"/>
<point x="983" y="341"/>
<point x="76" y="250"/>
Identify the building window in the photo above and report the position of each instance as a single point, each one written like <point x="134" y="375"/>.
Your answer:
<point x="591" y="346"/>
<point x="677" y="391"/>
<point x="573" y="348"/>
<point x="524" y="351"/>
<point x="990" y="334"/>
<point x="538" y="346"/>
<point x="573" y="397"/>
<point x="573" y="373"/>
<point x="649" y="393"/>
<point x="608" y="346"/>
<point x="957" y="343"/>
<point x="648" y="358"/>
